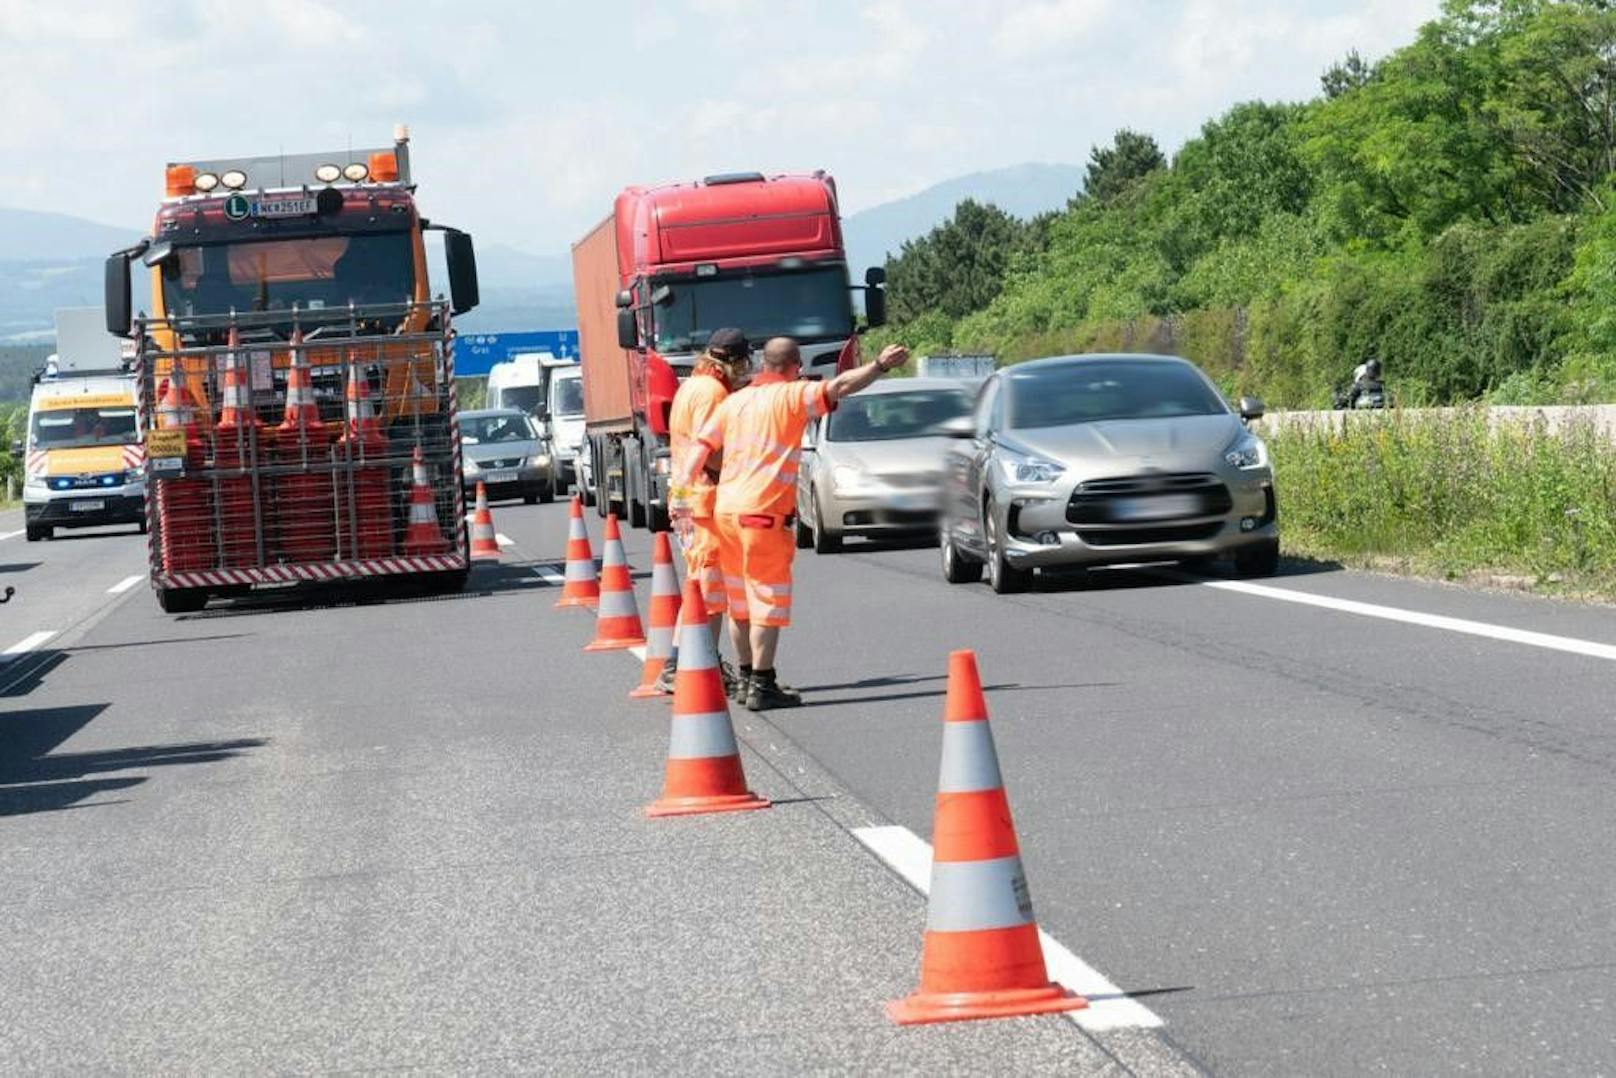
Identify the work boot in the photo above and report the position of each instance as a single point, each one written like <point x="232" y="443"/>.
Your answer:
<point x="765" y="693"/>
<point x="664" y="681"/>
<point x="734" y="684"/>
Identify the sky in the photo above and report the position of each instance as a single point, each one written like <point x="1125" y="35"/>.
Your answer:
<point x="528" y="117"/>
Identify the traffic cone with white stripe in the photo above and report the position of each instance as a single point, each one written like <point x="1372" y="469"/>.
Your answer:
<point x="704" y="772"/>
<point x="617" y="618"/>
<point x="423" y="536"/>
<point x="664" y="614"/>
<point x="581" y="586"/>
<point x="981" y="957"/>
<point x="484" y="543"/>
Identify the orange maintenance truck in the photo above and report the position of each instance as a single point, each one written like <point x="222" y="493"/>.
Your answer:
<point x="296" y="377"/>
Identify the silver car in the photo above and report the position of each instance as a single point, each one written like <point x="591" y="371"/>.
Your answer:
<point x="1095" y="460"/>
<point x="502" y="449"/>
<point x="874" y="466"/>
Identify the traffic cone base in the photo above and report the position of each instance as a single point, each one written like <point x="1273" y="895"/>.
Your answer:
<point x="713" y="773"/>
<point x="981" y="957"/>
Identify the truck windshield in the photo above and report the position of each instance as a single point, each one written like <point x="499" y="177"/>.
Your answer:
<point x="568" y="396"/>
<point x="313" y="272"/>
<point x="808" y="305"/>
<point x="68" y="428"/>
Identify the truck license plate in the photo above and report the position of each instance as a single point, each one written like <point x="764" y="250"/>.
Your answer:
<point x="1161" y="507"/>
<point x="502" y="477"/>
<point x="284" y="207"/>
<point x="92" y="506"/>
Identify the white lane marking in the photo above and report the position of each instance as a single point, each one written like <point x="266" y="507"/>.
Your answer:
<point x="548" y="574"/>
<point x="12" y="535"/>
<point x="125" y="584"/>
<point x="504" y="540"/>
<point x="1415" y="617"/>
<point x="25" y="645"/>
<point x="907" y="854"/>
<point x="638" y="652"/>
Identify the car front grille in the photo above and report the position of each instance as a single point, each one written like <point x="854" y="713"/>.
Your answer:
<point x="502" y="462"/>
<point x="1152" y="508"/>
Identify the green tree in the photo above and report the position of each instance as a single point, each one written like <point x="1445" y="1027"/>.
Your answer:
<point x="1352" y="72"/>
<point x="1113" y="169"/>
<point x="959" y="266"/>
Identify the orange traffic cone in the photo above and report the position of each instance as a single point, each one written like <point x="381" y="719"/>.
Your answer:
<point x="581" y="587"/>
<point x="617" y="619"/>
<point x="982" y="958"/>
<point x="484" y="544"/>
<point x="664" y="613"/>
<point x="704" y="764"/>
<point x="423" y="536"/>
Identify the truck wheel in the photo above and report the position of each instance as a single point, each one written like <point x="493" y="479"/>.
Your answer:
<point x="634" y="491"/>
<point x="182" y="600"/>
<point x="656" y="518"/>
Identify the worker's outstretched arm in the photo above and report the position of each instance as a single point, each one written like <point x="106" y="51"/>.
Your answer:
<point x="850" y="382"/>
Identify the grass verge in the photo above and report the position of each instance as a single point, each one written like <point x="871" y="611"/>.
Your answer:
<point x="1457" y="497"/>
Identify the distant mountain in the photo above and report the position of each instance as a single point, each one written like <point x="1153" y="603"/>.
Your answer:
<point x="27" y="236"/>
<point x="1023" y="190"/>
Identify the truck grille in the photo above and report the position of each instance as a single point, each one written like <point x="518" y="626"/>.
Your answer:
<point x="1165" y="508"/>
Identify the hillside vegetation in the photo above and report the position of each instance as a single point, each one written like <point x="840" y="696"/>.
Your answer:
<point x="1450" y="209"/>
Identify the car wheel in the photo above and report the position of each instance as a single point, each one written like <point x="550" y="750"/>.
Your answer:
<point x="1003" y="578"/>
<point x="529" y="499"/>
<point x="144" y="527"/>
<point x="825" y="541"/>
<point x="548" y="494"/>
<point x="805" y="534"/>
<point x="1261" y="560"/>
<point x="958" y="568"/>
<point x="36" y="532"/>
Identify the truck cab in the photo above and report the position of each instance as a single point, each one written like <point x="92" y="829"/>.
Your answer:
<point x="84" y="464"/>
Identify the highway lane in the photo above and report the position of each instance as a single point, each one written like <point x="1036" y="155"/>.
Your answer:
<point x="1323" y="842"/>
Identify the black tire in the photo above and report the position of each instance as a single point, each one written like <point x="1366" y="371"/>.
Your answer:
<point x="1259" y="560"/>
<point x="531" y="499"/>
<point x="958" y="568"/>
<point x="143" y="527"/>
<point x="548" y="494"/>
<point x="182" y="600"/>
<point x="1003" y="578"/>
<point x="805" y="534"/>
<point x="635" y="494"/>
<point x="36" y="532"/>
<point x="825" y="542"/>
<point x="657" y="519"/>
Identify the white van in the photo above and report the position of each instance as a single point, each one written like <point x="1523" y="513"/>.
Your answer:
<point x="566" y="419"/>
<point x="83" y="460"/>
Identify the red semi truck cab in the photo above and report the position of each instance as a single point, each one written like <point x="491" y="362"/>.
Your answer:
<point x="667" y="268"/>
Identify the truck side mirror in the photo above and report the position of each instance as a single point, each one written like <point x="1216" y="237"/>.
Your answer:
<point x="116" y="299"/>
<point x="875" y="305"/>
<point x="462" y="261"/>
<point x="628" y="330"/>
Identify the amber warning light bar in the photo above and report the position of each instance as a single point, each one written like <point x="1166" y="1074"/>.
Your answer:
<point x="293" y="171"/>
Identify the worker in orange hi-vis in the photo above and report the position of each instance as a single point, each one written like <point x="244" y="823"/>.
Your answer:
<point x="720" y="370"/>
<point x="759" y="432"/>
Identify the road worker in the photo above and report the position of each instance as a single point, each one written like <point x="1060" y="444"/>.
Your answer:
<point x="758" y="430"/>
<point x="721" y="369"/>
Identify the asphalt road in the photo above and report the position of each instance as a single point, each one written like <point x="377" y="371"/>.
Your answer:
<point x="1310" y="839"/>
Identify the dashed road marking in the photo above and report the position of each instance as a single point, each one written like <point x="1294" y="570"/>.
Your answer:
<point x="12" y="535"/>
<point x="125" y="584"/>
<point x="1414" y="617"/>
<point x="548" y="574"/>
<point x="907" y="854"/>
<point x="504" y="540"/>
<point x="25" y="645"/>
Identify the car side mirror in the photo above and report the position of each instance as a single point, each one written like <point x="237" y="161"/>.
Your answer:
<point x="1251" y="408"/>
<point x="461" y="259"/>
<point x="116" y="298"/>
<point x="961" y="426"/>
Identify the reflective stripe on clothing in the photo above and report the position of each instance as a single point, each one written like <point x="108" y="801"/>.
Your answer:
<point x="760" y="428"/>
<point x="757" y="570"/>
<point x="693" y="406"/>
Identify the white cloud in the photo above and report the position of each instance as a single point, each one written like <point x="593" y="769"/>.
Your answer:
<point x="1048" y="25"/>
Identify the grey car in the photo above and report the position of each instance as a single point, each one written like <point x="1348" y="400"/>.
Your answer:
<point x="1106" y="459"/>
<point x="874" y="466"/>
<point x="502" y="449"/>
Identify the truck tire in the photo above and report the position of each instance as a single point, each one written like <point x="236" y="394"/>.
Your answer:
<point x="182" y="600"/>
<point x="635" y="492"/>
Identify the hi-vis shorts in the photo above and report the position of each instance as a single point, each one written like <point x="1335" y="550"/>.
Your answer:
<point x="703" y="565"/>
<point x="756" y="553"/>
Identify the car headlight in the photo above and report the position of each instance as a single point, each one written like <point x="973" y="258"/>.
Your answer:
<point x="135" y="475"/>
<point x="849" y="480"/>
<point x="1248" y="452"/>
<point x="1019" y="469"/>
<point x="35" y="482"/>
<point x="469" y="466"/>
<point x="539" y="460"/>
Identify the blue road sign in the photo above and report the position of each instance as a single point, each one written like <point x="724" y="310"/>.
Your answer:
<point x="475" y="353"/>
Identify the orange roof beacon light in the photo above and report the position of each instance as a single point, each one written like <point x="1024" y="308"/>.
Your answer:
<point x="384" y="167"/>
<point x="181" y="180"/>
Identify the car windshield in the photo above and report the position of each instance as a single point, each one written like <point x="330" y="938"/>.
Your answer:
<point x="569" y="396"/>
<point x="503" y="427"/>
<point x="65" y="428"/>
<point x="1086" y="392"/>
<point x="312" y="272"/>
<point x="885" y="416"/>
<point x="807" y="305"/>
<point x="524" y="397"/>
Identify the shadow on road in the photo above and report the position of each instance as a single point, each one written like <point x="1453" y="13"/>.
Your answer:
<point x="1163" y="575"/>
<point x="940" y="691"/>
<point x="20" y="566"/>
<point x="35" y="778"/>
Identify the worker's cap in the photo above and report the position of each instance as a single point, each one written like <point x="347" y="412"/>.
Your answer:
<point x="729" y="343"/>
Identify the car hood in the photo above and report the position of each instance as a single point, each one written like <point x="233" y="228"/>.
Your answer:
<point x="1123" y="446"/>
<point x="527" y="447"/>
<point x="897" y="457"/>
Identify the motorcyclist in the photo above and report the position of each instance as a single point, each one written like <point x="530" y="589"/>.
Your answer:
<point x="1367" y="390"/>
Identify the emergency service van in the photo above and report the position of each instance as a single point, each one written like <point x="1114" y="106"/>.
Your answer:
<point x="83" y="460"/>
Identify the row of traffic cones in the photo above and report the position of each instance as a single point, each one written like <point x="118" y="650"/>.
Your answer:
<point x="981" y="956"/>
